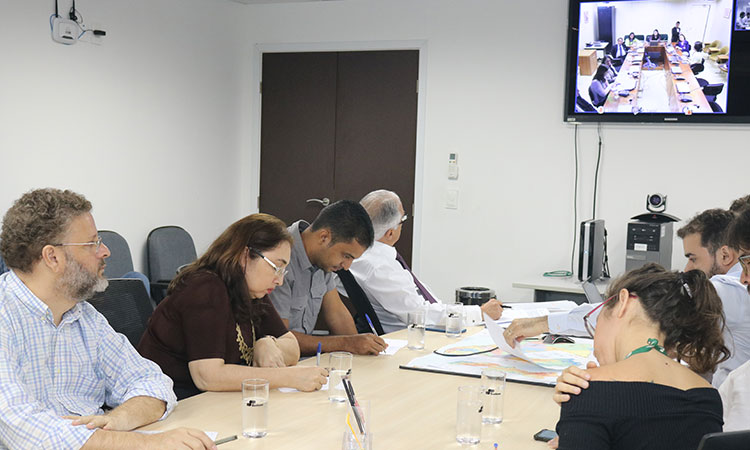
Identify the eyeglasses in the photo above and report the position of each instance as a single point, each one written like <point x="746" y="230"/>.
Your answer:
<point x="278" y="271"/>
<point x="590" y="329"/>
<point x="745" y="262"/>
<point x="403" y="219"/>
<point x="97" y="244"/>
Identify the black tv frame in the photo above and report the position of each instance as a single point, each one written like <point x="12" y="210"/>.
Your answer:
<point x="737" y="105"/>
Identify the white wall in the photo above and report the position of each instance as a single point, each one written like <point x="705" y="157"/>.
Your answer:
<point x="156" y="126"/>
<point x="145" y="125"/>
<point x="500" y="106"/>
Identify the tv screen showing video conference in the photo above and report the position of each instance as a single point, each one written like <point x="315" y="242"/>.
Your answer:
<point x="658" y="61"/>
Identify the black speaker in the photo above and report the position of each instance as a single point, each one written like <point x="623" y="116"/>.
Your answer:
<point x="606" y="24"/>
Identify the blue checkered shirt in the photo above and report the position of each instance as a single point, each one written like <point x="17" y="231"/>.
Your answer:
<point x="74" y="368"/>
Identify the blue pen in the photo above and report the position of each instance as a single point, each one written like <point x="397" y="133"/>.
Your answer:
<point x="317" y="356"/>
<point x="372" y="327"/>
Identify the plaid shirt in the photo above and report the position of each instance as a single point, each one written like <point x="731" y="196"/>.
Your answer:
<point x="74" y="368"/>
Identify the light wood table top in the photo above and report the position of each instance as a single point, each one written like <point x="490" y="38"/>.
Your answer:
<point x="409" y="409"/>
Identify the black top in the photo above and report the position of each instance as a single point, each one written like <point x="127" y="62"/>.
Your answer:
<point x="638" y="416"/>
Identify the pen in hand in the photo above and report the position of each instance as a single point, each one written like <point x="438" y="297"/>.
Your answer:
<point x="225" y="440"/>
<point x="317" y="355"/>
<point x="372" y="327"/>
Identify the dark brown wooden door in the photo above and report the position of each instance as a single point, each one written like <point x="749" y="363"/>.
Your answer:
<point x="336" y="126"/>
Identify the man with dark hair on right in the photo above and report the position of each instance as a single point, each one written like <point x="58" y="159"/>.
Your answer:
<point x="340" y="234"/>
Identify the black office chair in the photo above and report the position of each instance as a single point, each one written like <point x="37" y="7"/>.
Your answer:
<point x="697" y="68"/>
<point x="712" y="90"/>
<point x="717" y="109"/>
<point x="169" y="248"/>
<point x="584" y="105"/>
<point x="701" y="82"/>
<point x="361" y="303"/>
<point x="127" y="307"/>
<point x="731" y="440"/>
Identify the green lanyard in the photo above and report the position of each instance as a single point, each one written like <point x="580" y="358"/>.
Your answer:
<point x="651" y="345"/>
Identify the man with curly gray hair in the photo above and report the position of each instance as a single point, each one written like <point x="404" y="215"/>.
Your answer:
<point x="61" y="364"/>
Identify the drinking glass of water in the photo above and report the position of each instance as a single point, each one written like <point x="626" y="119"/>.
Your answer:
<point x="415" y="329"/>
<point x="340" y="364"/>
<point x="254" y="408"/>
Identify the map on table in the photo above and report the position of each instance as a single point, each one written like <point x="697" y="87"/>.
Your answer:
<point x="542" y="365"/>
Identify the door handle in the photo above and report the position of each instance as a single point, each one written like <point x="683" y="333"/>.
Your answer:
<point x="324" y="201"/>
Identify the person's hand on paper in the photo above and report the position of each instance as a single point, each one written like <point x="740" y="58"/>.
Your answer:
<point x="366" y="344"/>
<point x="188" y="438"/>
<point x="571" y="381"/>
<point x="266" y="353"/>
<point x="493" y="308"/>
<point x="305" y="378"/>
<point x="520" y="329"/>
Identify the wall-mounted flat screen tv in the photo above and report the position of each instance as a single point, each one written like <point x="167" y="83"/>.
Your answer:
<point x="658" y="61"/>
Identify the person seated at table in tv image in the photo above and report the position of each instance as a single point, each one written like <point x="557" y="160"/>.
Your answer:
<point x="217" y="327"/>
<point x="611" y="69"/>
<point x="698" y="56"/>
<point x="654" y="38"/>
<point x="641" y="396"/>
<point x="631" y="42"/>
<point x="600" y="86"/>
<point x="683" y="45"/>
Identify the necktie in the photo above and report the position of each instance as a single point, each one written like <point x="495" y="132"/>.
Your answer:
<point x="422" y="290"/>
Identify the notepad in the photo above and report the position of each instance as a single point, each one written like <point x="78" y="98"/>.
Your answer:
<point x="676" y="70"/>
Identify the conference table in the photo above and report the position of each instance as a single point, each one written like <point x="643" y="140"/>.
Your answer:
<point x="409" y="409"/>
<point x="631" y="77"/>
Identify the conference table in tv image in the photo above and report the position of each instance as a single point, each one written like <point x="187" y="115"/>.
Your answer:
<point x="656" y="78"/>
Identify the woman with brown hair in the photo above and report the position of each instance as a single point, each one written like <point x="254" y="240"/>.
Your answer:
<point x="641" y="396"/>
<point x="217" y="321"/>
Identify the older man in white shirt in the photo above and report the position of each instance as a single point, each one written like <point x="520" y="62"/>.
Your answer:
<point x="390" y="285"/>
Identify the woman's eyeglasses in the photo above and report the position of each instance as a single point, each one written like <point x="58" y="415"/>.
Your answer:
<point x="278" y="271"/>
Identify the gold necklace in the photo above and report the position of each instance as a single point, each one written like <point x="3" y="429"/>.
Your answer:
<point x="246" y="353"/>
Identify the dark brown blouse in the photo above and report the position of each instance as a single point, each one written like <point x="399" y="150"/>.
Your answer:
<point x="196" y="322"/>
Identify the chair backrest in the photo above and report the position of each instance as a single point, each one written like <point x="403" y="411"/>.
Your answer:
<point x="639" y="37"/>
<point x="715" y="43"/>
<point x="120" y="260"/>
<point x="713" y="89"/>
<point x="127" y="307"/>
<point x="731" y="440"/>
<point x="715" y="107"/>
<point x="697" y="68"/>
<point x="361" y="303"/>
<point x="724" y="50"/>
<point x="168" y="248"/>
<point x="701" y="82"/>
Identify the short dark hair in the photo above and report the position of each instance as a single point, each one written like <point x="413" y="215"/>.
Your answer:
<point x="698" y="46"/>
<point x="346" y="220"/>
<point x="40" y="217"/>
<point x="687" y="309"/>
<point x="741" y="203"/>
<point x="711" y="225"/>
<point x="738" y="234"/>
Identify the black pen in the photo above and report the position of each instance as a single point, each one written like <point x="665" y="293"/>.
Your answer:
<point x="225" y="440"/>
<point x="507" y="306"/>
